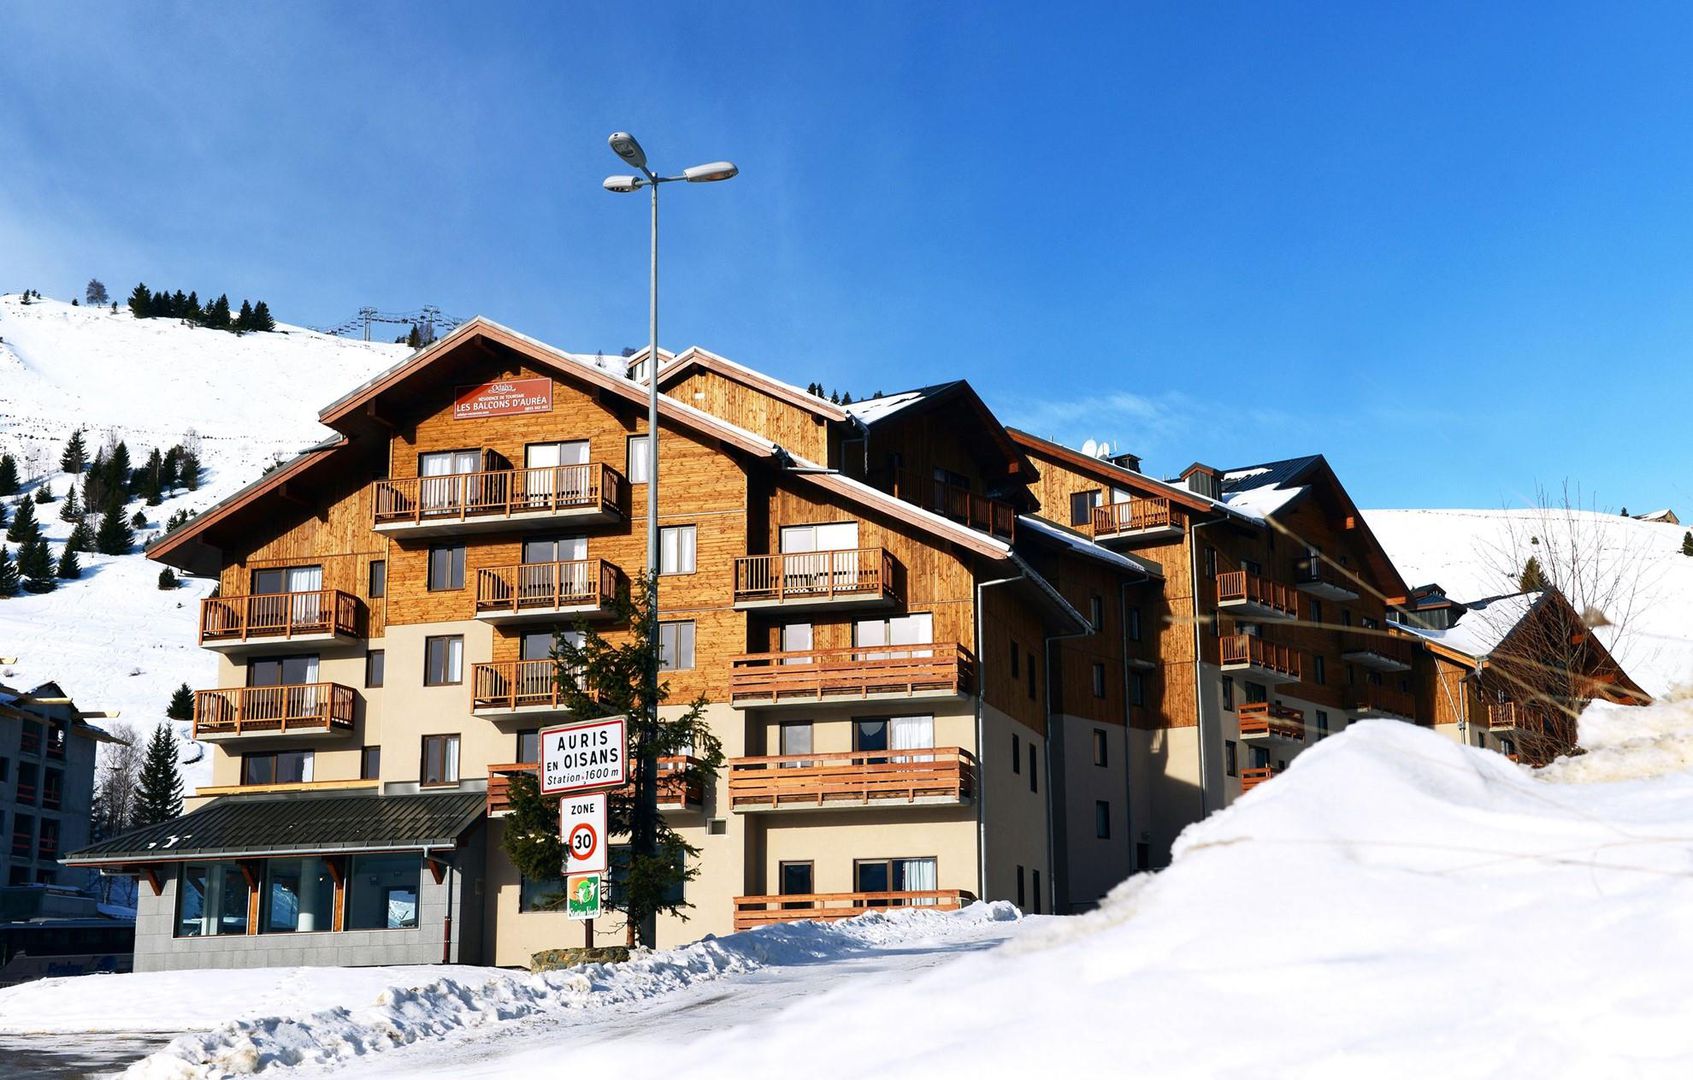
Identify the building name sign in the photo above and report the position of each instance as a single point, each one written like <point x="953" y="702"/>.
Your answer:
<point x="584" y="757"/>
<point x="503" y="397"/>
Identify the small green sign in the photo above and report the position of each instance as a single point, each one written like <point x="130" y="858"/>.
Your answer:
<point x="582" y="896"/>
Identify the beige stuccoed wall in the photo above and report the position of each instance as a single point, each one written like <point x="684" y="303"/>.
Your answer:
<point x="1015" y="817"/>
<point x="1165" y="769"/>
<point x="1094" y="865"/>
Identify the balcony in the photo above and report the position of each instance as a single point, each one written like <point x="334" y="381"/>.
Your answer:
<point x="1375" y="651"/>
<point x="271" y="621"/>
<point x="675" y="792"/>
<point x="581" y="588"/>
<point x="499" y="499"/>
<point x="1316" y="577"/>
<point x="251" y="711"/>
<point x="956" y="502"/>
<point x="751" y="911"/>
<point x="1258" y="659"/>
<point x="1245" y="595"/>
<point x="816" y="580"/>
<point x="1251" y="778"/>
<point x="508" y="689"/>
<point x="1380" y="701"/>
<point x="870" y="673"/>
<point x="1267" y="722"/>
<point x="941" y="776"/>
<point x="1509" y="718"/>
<point x="1137" y="521"/>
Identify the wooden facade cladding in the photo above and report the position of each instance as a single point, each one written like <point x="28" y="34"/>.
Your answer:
<point x="577" y="587"/>
<point x="799" y="431"/>
<point x="927" y="777"/>
<point x="816" y="578"/>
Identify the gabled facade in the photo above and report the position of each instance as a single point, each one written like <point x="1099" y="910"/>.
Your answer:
<point x="47" y="754"/>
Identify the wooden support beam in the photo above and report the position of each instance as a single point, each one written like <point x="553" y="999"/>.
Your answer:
<point x="151" y="876"/>
<point x="437" y="869"/>
<point x="337" y="865"/>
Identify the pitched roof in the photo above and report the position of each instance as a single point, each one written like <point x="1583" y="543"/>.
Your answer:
<point x="695" y="357"/>
<point x="1270" y="474"/>
<point x="1028" y="524"/>
<point x="302" y="824"/>
<point x="1108" y="472"/>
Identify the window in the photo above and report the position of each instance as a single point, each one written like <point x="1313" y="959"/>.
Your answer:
<point x="1143" y="856"/>
<point x="440" y="759"/>
<point x="618" y="854"/>
<point x="382" y="892"/>
<point x="299" y="896"/>
<point x="30" y="739"/>
<point x="542" y="894"/>
<point x="1081" y="507"/>
<point x="1315" y="609"/>
<point x="1100" y="745"/>
<point x="1228" y="692"/>
<point x="1257" y="693"/>
<point x="370" y="762"/>
<point x="830" y="536"/>
<point x="443" y="660"/>
<point x="52" y="788"/>
<point x="446" y="567"/>
<point x="640" y="460"/>
<point x="276" y="767"/>
<point x="1345" y="617"/>
<point x="1021" y="899"/>
<point x="1016" y="671"/>
<point x="373" y="668"/>
<point x="793" y="739"/>
<point x="1322" y="724"/>
<point x="1318" y="672"/>
<point x="282" y="671"/>
<point x="675" y="646"/>
<point x="1034" y="889"/>
<point x="211" y="899"/>
<point x="48" y="846"/>
<point x="796" y="638"/>
<point x="1031" y="676"/>
<point x="1210" y="562"/>
<point x="1099" y="680"/>
<point x="676" y="549"/>
<point x="1016" y="753"/>
<point x="1260" y="758"/>
<point x="1034" y="777"/>
<point x="1230" y="766"/>
<point x="378" y="578"/>
<point x="794" y="879"/>
<point x="1134" y="624"/>
<point x="1137" y="689"/>
<point x="914" y="629"/>
<point x="893" y="875"/>
<point x="1096" y="612"/>
<point x="1102" y="819"/>
<point x="28" y="773"/>
<point x="528" y="747"/>
<point x="894" y="733"/>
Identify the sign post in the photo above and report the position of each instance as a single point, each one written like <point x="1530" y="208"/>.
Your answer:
<point x="585" y="757"/>
<point x="582" y="826"/>
<point x="582" y="896"/>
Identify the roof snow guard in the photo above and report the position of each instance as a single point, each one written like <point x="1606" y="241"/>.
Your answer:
<point x="254" y="826"/>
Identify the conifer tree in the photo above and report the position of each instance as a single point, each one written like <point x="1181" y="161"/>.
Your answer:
<point x="181" y="704"/>
<point x="117" y="469"/>
<point x="35" y="566"/>
<point x="71" y="509"/>
<point x="1687" y="544"/>
<point x="139" y="521"/>
<point x="25" y="299"/>
<point x="261" y="319"/>
<point x="8" y="475"/>
<point x="414" y="340"/>
<point x="192" y="310"/>
<point x="1533" y="578"/>
<point x="244" y="321"/>
<point x="9" y="579"/>
<point x="167" y="579"/>
<point x="159" y="308"/>
<point x="217" y="315"/>
<point x="70" y="567"/>
<point x="24" y="526"/>
<point x="4" y="513"/>
<point x="43" y="495"/>
<point x="81" y="538"/>
<point x="178" y="305"/>
<point x="190" y="470"/>
<point x="159" y="795"/>
<point x="141" y="301"/>
<point x="152" y="475"/>
<point x="115" y="537"/>
<point x="75" y="456"/>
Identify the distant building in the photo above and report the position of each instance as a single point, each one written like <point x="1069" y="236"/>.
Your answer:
<point x="1666" y="515"/>
<point x="46" y="782"/>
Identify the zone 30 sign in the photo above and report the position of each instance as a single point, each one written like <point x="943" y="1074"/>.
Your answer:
<point x="583" y="757"/>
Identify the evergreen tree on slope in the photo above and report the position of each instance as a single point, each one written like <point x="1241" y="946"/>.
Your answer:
<point x="160" y="796"/>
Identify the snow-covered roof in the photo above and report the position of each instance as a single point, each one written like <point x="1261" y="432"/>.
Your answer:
<point x="876" y="409"/>
<point x="1261" y="490"/>
<point x="1082" y="545"/>
<point x="1483" y="625"/>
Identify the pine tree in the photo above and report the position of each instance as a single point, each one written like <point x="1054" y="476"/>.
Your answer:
<point x="117" y="469"/>
<point x="168" y="469"/>
<point x="178" y="305"/>
<point x="217" y="315"/>
<point x="1533" y="578"/>
<point x="181" y="704"/>
<point x="25" y="299"/>
<point x="159" y="797"/>
<point x="4" y="513"/>
<point x="35" y="566"/>
<point x="1687" y="544"/>
<point x="141" y="302"/>
<point x="114" y="537"/>
<point x="167" y="579"/>
<point x="71" y="509"/>
<point x="139" y="521"/>
<point x="414" y="340"/>
<point x="244" y="321"/>
<point x="261" y="319"/>
<point x="10" y="582"/>
<point x="24" y="526"/>
<point x="81" y="538"/>
<point x="43" y="495"/>
<point x="152" y="473"/>
<point x="75" y="456"/>
<point x="95" y="294"/>
<point x="159" y="308"/>
<point x="190" y="469"/>
<point x="70" y="567"/>
<point x="8" y="475"/>
<point x="193" y="312"/>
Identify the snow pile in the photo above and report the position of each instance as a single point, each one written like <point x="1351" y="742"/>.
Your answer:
<point x="1628" y="743"/>
<point x="113" y="640"/>
<point x="1475" y="554"/>
<point x="1394" y="905"/>
<point x="445" y="1006"/>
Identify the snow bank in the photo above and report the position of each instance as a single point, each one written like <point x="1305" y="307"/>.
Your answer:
<point x="444" y="1006"/>
<point x="1628" y="743"/>
<point x="1394" y="905"/>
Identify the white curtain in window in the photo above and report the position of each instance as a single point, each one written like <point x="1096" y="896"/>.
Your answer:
<point x="870" y="632"/>
<point x="916" y="629"/>
<point x="796" y="637"/>
<point x="794" y="739"/>
<point x="306" y="581"/>
<point x="912" y="733"/>
<point x="915" y="875"/>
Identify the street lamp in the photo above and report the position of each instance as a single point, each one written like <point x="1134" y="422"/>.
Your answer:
<point x="626" y="147"/>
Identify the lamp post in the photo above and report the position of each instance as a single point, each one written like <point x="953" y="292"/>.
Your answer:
<point x="644" y="833"/>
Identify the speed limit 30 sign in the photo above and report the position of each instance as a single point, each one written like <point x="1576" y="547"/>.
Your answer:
<point x="582" y="825"/>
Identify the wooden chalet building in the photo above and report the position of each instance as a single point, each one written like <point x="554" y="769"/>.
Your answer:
<point x="838" y="582"/>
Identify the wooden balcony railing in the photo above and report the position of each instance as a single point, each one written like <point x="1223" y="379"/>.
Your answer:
<point x="1251" y="778"/>
<point x="498" y="493"/>
<point x="1315" y="574"/>
<point x="844" y="674"/>
<point x="1383" y="699"/>
<point x="273" y="709"/>
<point x="1250" y="649"/>
<point x="515" y="684"/>
<point x="751" y="911"/>
<point x="675" y="790"/>
<point x="278" y="615"/>
<point x="1376" y="644"/>
<point x="955" y="502"/>
<point x="1265" y="718"/>
<point x="1135" y="515"/>
<point x="1235" y="586"/>
<point x="546" y="586"/>
<point x="856" y="778"/>
<point x="1510" y="716"/>
<point x="815" y="575"/>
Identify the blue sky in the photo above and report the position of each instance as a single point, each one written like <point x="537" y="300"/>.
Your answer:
<point x="1450" y="248"/>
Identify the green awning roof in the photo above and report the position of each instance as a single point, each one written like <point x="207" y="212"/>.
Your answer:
<point x="250" y="826"/>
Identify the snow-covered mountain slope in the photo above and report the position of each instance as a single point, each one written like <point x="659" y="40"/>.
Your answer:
<point x="112" y="638"/>
<point x="1632" y="570"/>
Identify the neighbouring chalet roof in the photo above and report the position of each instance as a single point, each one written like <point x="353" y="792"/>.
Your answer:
<point x="185" y="546"/>
<point x="1484" y="625"/>
<point x="35" y="703"/>
<point x="694" y="357"/>
<point x="1108" y="472"/>
<point x="329" y="824"/>
<point x="1665" y="515"/>
<point x="872" y="411"/>
<point x="1081" y="545"/>
<point x="908" y="403"/>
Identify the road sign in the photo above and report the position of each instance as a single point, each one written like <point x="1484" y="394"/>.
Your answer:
<point x="583" y="757"/>
<point x="581" y="824"/>
<point x="582" y="896"/>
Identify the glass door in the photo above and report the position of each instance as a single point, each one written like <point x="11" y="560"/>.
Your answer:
<point x="552" y="475"/>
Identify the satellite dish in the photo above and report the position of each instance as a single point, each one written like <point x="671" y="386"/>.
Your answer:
<point x="1090" y="448"/>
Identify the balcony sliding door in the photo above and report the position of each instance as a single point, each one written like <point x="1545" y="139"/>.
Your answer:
<point x="808" y="566"/>
<point x="563" y="484"/>
<point x="914" y="629"/>
<point x="441" y="487"/>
